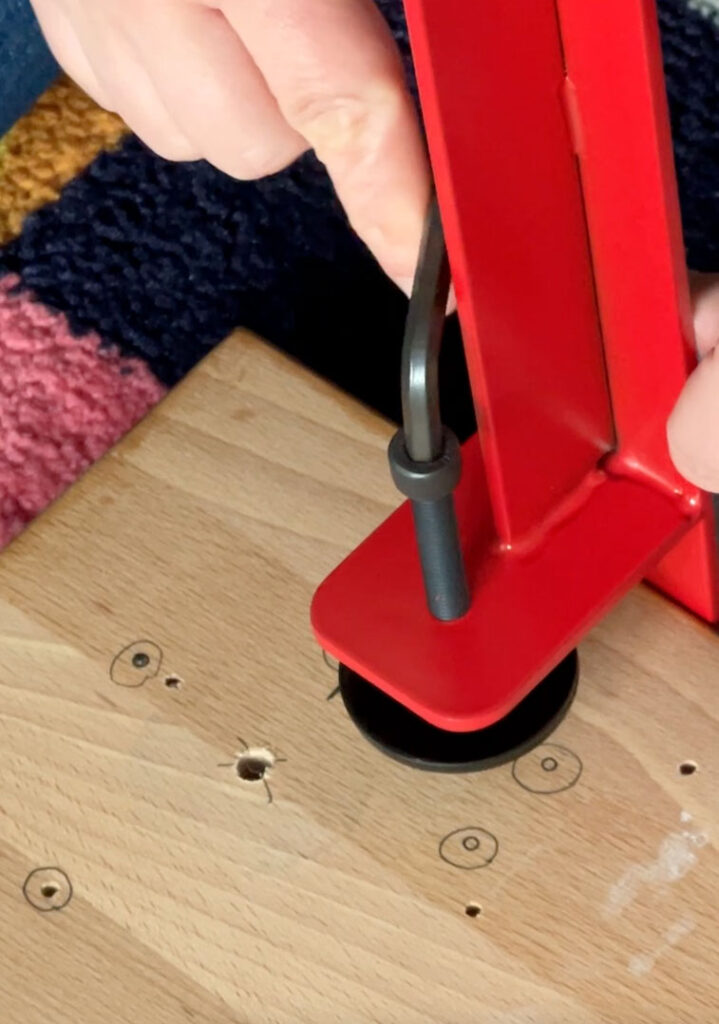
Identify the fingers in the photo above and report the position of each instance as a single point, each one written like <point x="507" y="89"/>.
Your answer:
<point x="96" y="53"/>
<point x="214" y="90"/>
<point x="66" y="49"/>
<point x="252" y="84"/>
<point x="334" y="69"/>
<point x="693" y="428"/>
<point x="137" y="101"/>
<point x="705" y="298"/>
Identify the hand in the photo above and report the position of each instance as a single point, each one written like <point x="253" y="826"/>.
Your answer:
<point x="251" y="84"/>
<point x="693" y="429"/>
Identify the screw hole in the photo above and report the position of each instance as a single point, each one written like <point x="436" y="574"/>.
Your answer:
<point x="173" y="682"/>
<point x="687" y="767"/>
<point x="47" y="889"/>
<point x="473" y="910"/>
<point x="252" y="766"/>
<point x="140" y="660"/>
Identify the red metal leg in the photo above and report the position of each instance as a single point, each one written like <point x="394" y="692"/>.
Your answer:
<point x="550" y="145"/>
<point x="633" y="216"/>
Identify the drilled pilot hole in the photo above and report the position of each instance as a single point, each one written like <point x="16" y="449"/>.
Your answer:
<point x="687" y="767"/>
<point x="140" y="659"/>
<point x="47" y="889"/>
<point x="473" y="910"/>
<point x="173" y="682"/>
<point x="252" y="765"/>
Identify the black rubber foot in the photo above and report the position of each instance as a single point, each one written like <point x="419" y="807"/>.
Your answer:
<point x="406" y="737"/>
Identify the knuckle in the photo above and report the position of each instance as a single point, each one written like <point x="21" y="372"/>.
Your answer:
<point x="343" y="122"/>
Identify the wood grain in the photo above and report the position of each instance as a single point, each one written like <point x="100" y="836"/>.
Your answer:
<point x="201" y="538"/>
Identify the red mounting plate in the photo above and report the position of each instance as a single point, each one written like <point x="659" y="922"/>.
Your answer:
<point x="529" y="607"/>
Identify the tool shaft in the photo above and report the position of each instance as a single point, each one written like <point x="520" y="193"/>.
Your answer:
<point x="424" y="456"/>
<point x="445" y="583"/>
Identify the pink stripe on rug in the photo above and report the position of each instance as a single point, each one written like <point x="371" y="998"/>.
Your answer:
<point x="63" y="402"/>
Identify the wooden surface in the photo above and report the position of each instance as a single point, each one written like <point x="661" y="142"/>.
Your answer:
<point x="200" y="540"/>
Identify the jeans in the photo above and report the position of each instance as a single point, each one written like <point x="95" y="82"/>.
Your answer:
<point x="26" y="65"/>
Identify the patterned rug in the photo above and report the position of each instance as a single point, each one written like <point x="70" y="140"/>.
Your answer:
<point x="119" y="271"/>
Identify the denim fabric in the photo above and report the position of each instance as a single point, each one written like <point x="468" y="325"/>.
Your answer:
<point x="26" y="65"/>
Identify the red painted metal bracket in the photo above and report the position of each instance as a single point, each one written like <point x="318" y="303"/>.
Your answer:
<point x="551" y="150"/>
<point x="529" y="606"/>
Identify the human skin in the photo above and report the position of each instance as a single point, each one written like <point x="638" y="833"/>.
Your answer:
<point x="250" y="84"/>
<point x="693" y="429"/>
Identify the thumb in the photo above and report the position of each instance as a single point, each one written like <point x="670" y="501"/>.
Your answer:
<point x="705" y="300"/>
<point x="693" y="428"/>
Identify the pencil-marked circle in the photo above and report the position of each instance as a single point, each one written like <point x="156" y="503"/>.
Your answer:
<point x="469" y="848"/>
<point x="136" y="663"/>
<point x="549" y="768"/>
<point x="47" y="889"/>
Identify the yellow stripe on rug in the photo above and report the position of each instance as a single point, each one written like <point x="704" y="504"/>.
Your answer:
<point x="47" y="148"/>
